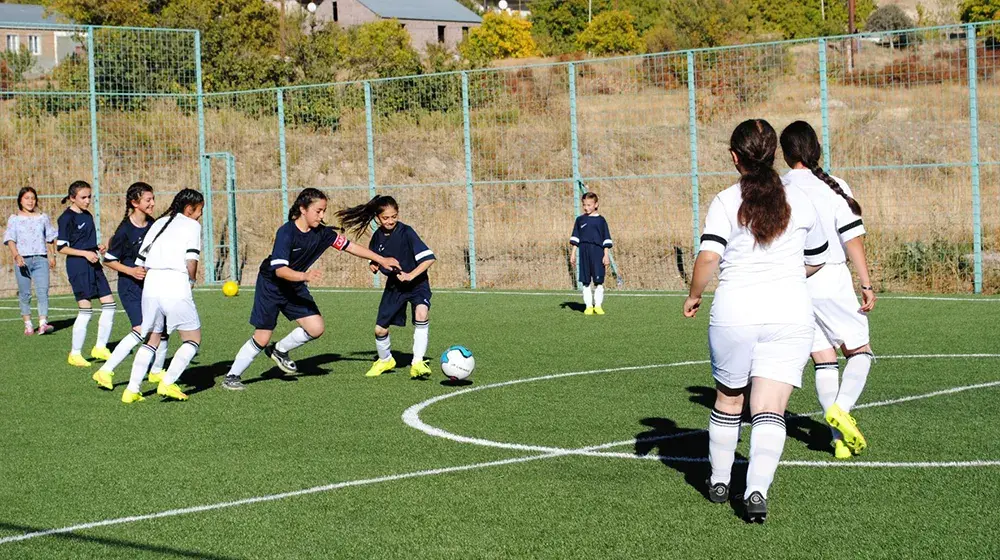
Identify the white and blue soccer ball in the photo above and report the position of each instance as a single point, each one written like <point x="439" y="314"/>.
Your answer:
<point x="457" y="363"/>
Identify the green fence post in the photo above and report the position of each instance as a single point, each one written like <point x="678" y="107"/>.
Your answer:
<point x="234" y="267"/>
<point x="469" y="198"/>
<point x="204" y="163"/>
<point x="370" y="143"/>
<point x="824" y="104"/>
<point x="693" y="146"/>
<point x="95" y="155"/>
<point x="282" y="152"/>
<point x="575" y="151"/>
<point x="977" y="225"/>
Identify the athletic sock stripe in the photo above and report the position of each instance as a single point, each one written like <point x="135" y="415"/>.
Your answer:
<point x="730" y="422"/>
<point x="109" y="305"/>
<point x="193" y="343"/>
<point x="137" y="336"/>
<point x="869" y="354"/>
<point x="386" y="337"/>
<point x="827" y="365"/>
<point x="255" y="345"/>
<point x="85" y="311"/>
<point x="421" y="323"/>
<point x="768" y="418"/>
<point x="150" y="348"/>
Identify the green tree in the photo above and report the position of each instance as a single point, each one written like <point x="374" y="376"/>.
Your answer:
<point x="690" y="24"/>
<point x="972" y="11"/>
<point x="380" y="49"/>
<point x="556" y="24"/>
<point x="611" y="32"/>
<point x="14" y="64"/>
<point x="107" y="12"/>
<point x="500" y="36"/>
<point x="807" y="18"/>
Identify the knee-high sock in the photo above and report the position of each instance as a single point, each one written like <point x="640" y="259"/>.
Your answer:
<point x="855" y="377"/>
<point x="767" y="441"/>
<point x="599" y="295"/>
<point x="182" y="357"/>
<point x="420" y="331"/>
<point x="243" y="358"/>
<point x="161" y="354"/>
<point x="124" y="348"/>
<point x="80" y="329"/>
<point x="105" y="323"/>
<point x="588" y="296"/>
<point x="827" y="387"/>
<point x="384" y="347"/>
<point x="723" y="435"/>
<point x="296" y="338"/>
<point x="140" y="365"/>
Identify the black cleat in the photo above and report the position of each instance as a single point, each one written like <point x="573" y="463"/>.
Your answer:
<point x="282" y="360"/>
<point x="233" y="383"/>
<point x="717" y="493"/>
<point x="756" y="507"/>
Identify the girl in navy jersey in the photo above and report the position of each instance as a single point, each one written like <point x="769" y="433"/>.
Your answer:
<point x="78" y="241"/>
<point x="282" y="284"/>
<point x="120" y="257"/>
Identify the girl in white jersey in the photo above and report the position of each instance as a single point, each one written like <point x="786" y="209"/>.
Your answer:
<point x="171" y="263"/>
<point x="764" y="240"/>
<point x="840" y="321"/>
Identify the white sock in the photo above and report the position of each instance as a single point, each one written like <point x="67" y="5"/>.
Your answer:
<point x="161" y="354"/>
<point x="855" y="377"/>
<point x="384" y="347"/>
<point x="105" y="323"/>
<point x="28" y="325"/>
<point x="124" y="348"/>
<point x="827" y="387"/>
<point x="599" y="295"/>
<point x="182" y="357"/>
<point x="140" y="365"/>
<point x="296" y="338"/>
<point x="243" y="358"/>
<point x="420" y="331"/>
<point x="588" y="296"/>
<point x="723" y="435"/>
<point x="80" y="329"/>
<point x="767" y="441"/>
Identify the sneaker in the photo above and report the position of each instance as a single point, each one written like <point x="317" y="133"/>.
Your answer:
<point x="77" y="359"/>
<point x="718" y="493"/>
<point x="233" y="383"/>
<point x="280" y="358"/>
<point x="598" y="311"/>
<point x="103" y="379"/>
<point x="420" y="370"/>
<point x="128" y="397"/>
<point x="171" y="391"/>
<point x="848" y="427"/>
<point x="156" y="376"/>
<point x="28" y="329"/>
<point x="380" y="367"/>
<point x="100" y="353"/>
<point x="588" y="311"/>
<point x="45" y="328"/>
<point x="756" y="506"/>
<point x="840" y="450"/>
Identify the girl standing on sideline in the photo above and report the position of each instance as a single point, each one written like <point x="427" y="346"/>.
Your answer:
<point x="120" y="257"/>
<point x="760" y="330"/>
<point x="28" y="232"/>
<point x="171" y="263"/>
<point x="282" y="285"/>
<point x="592" y="236"/>
<point x="840" y="321"/>
<point x="408" y="285"/>
<point x="78" y="241"/>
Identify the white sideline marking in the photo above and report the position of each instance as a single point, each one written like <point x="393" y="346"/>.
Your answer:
<point x="5" y="308"/>
<point x="50" y="318"/>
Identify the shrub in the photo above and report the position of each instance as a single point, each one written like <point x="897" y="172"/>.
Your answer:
<point x="611" y="32"/>
<point x="500" y="36"/>
<point x="380" y="49"/>
<point x="891" y="18"/>
<point x="944" y="67"/>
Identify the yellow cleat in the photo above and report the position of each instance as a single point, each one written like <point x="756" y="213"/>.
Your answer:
<point x="78" y="360"/>
<point x="156" y="376"/>
<point x="381" y="366"/>
<point x="420" y="370"/>
<point x="599" y="311"/>
<point x="100" y="353"/>
<point x="128" y="397"/>
<point x="840" y="449"/>
<point x="588" y="311"/>
<point x="103" y="379"/>
<point x="171" y="391"/>
<point x="848" y="427"/>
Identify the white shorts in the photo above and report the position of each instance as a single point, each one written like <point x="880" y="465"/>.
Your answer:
<point x="777" y="352"/>
<point x="176" y="313"/>
<point x="839" y="320"/>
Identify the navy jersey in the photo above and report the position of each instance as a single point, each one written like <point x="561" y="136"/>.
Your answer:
<point x="403" y="244"/>
<point x="298" y="250"/>
<point x="125" y="243"/>
<point x="77" y="231"/>
<point x="591" y="230"/>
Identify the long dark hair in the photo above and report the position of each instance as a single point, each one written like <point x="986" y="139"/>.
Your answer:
<point x="765" y="210"/>
<point x="133" y="194"/>
<point x="183" y="199"/>
<point x="800" y="144"/>
<point x="304" y="200"/>
<point x="74" y="187"/>
<point x="24" y="191"/>
<point x="356" y="218"/>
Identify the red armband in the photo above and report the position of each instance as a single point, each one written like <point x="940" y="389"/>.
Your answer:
<point x="340" y="243"/>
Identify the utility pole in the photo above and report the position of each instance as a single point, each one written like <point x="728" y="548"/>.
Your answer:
<point x="851" y="30"/>
<point x="281" y="29"/>
<point x="590" y="7"/>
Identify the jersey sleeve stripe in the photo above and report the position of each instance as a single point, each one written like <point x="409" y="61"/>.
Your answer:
<point x="818" y="250"/>
<point x="574" y="240"/>
<point x="850" y="226"/>
<point x="279" y="262"/>
<point x="423" y="255"/>
<point x="712" y="237"/>
<point x="108" y="257"/>
<point x="61" y="242"/>
<point x="195" y="251"/>
<point x="607" y="243"/>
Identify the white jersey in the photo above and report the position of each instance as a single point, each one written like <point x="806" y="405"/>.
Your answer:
<point x="166" y="259"/>
<point x="839" y="222"/>
<point x="763" y="285"/>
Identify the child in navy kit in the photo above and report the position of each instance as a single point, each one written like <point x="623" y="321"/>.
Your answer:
<point x="591" y="235"/>
<point x="408" y="285"/>
<point x="120" y="257"/>
<point x="78" y="241"/>
<point x="282" y="285"/>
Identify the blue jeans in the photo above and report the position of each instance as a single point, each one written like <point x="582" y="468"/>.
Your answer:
<point x="35" y="269"/>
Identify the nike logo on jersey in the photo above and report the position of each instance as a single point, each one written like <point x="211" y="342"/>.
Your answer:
<point x="80" y="226"/>
<point x="583" y="226"/>
<point x="297" y="249"/>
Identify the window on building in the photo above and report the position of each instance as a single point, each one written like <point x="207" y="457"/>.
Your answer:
<point x="465" y="32"/>
<point x="440" y="34"/>
<point x="13" y="42"/>
<point x="35" y="44"/>
<point x="336" y="16"/>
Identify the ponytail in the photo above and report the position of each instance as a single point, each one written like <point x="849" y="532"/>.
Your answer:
<point x="74" y="187"/>
<point x="304" y="201"/>
<point x="183" y="199"/>
<point x="764" y="210"/>
<point x="133" y="194"/>
<point x="800" y="144"/>
<point x="356" y="219"/>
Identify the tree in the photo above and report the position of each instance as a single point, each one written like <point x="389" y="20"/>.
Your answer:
<point x="14" y="64"/>
<point x="380" y="49"/>
<point x="794" y="19"/>
<point x="611" y="32"/>
<point x="500" y="36"/>
<point x="107" y="12"/>
<point x="888" y="18"/>
<point x="691" y="24"/>
<point x="556" y="24"/>
<point x="972" y="11"/>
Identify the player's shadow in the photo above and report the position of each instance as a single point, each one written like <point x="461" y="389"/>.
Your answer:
<point x="60" y="324"/>
<point x="573" y="305"/>
<point x="307" y="367"/>
<point x="403" y="361"/>
<point x="136" y="547"/>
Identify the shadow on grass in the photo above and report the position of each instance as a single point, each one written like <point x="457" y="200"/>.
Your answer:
<point x="60" y="324"/>
<point x="574" y="306"/>
<point x="116" y="543"/>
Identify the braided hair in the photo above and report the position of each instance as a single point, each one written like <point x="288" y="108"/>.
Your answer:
<point x="800" y="144"/>
<point x="356" y="218"/>
<point x="764" y="210"/>
<point x="133" y="194"/>
<point x="183" y="199"/>
<point x="74" y="187"/>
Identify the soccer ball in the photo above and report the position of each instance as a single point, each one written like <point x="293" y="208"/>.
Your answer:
<point x="230" y="288"/>
<point x="457" y="363"/>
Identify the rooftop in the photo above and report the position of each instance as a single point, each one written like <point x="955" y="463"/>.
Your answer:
<point x="437" y="10"/>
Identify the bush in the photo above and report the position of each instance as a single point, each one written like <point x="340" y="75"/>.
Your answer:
<point x="500" y="36"/>
<point x="891" y="18"/>
<point x="693" y="24"/>
<point x="611" y="32"/>
<point x="944" y="67"/>
<point x="380" y="49"/>
<point x="972" y="11"/>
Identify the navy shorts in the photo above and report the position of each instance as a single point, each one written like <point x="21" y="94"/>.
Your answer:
<point x="293" y="300"/>
<point x="392" y="308"/>
<point x="87" y="279"/>
<point x="591" y="264"/>
<point x="130" y="292"/>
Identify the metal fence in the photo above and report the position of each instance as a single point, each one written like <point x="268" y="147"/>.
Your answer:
<point x="488" y="164"/>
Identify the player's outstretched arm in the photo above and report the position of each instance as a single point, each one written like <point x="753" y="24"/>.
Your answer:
<point x="363" y="253"/>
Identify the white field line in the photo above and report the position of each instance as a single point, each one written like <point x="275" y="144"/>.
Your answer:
<point x="50" y="318"/>
<point x="6" y="308"/>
